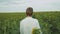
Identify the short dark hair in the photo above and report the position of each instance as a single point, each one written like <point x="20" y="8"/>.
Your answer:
<point x="29" y="11"/>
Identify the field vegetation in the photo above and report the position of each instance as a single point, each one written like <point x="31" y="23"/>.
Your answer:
<point x="49" y="22"/>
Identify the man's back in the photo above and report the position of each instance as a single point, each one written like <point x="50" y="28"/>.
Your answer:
<point x="28" y="24"/>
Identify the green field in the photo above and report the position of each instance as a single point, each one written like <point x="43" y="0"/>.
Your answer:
<point x="49" y="22"/>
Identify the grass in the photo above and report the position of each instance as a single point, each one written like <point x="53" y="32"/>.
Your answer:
<point x="49" y="22"/>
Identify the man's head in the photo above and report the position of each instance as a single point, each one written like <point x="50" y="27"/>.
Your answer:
<point x="29" y="11"/>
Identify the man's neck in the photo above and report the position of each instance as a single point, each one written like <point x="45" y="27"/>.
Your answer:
<point x="29" y="16"/>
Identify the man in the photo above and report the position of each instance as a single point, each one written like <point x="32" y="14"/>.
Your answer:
<point x="28" y="24"/>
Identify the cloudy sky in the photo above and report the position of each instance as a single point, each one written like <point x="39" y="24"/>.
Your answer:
<point x="21" y="5"/>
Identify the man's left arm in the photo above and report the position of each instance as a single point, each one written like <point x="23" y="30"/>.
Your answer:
<point x="38" y="28"/>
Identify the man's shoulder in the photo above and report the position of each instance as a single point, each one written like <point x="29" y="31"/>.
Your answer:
<point x="35" y="19"/>
<point x="22" y="20"/>
<point x="32" y="19"/>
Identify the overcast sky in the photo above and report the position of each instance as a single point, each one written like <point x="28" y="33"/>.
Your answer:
<point x="21" y="5"/>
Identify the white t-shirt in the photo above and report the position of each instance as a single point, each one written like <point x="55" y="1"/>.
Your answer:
<point x="28" y="24"/>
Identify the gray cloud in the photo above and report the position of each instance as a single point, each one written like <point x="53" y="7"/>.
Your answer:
<point x="21" y="5"/>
